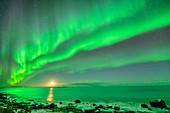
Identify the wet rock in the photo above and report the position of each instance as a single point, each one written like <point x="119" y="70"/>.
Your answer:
<point x="20" y="106"/>
<point x="69" y="110"/>
<point x="150" y="109"/>
<point x="131" y="112"/>
<point x="21" y="111"/>
<point x="10" y="107"/>
<point x="40" y="106"/>
<point x="101" y="106"/>
<point x="1" y="94"/>
<point x="158" y="103"/>
<point x="51" y="106"/>
<point x="117" y="108"/>
<point x="34" y="107"/>
<point x="109" y="107"/>
<point x="92" y="111"/>
<point x="21" y="103"/>
<point x="70" y="104"/>
<point x="14" y="101"/>
<point x="69" y="107"/>
<point x="28" y="108"/>
<point x="28" y="103"/>
<point x="1" y="109"/>
<point x="3" y="101"/>
<point x="144" y="105"/>
<point x="168" y="108"/>
<point x="76" y="111"/>
<point x="56" y="110"/>
<point x="79" y="111"/>
<point x="94" y="104"/>
<point x="3" y="98"/>
<point x="77" y="101"/>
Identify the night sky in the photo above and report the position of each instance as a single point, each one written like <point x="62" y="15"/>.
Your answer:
<point x="84" y="42"/>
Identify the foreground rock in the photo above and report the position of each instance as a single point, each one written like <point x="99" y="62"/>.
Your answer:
<point x="8" y="104"/>
<point x="158" y="103"/>
<point x="117" y="108"/>
<point x="144" y="105"/>
<point x="77" y="101"/>
<point x="92" y="111"/>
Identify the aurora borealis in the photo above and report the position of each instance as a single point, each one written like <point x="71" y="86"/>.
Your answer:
<point x="72" y="37"/>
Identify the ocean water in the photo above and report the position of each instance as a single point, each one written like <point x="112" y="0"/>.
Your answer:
<point x="93" y="94"/>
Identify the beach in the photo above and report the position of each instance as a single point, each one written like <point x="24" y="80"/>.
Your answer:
<point x="10" y="100"/>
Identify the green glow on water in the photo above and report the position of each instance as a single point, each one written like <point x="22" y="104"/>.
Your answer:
<point x="57" y="31"/>
<point x="93" y="94"/>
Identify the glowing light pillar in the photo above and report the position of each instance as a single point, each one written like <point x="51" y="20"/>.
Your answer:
<point x="50" y="95"/>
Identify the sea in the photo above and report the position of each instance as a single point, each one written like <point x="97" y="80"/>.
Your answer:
<point x="141" y="94"/>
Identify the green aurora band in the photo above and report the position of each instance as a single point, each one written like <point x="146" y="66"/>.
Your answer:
<point x="55" y="31"/>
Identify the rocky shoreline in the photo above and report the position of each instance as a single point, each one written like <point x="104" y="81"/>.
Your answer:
<point x="12" y="104"/>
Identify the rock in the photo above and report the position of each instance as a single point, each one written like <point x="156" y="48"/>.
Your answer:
<point x="40" y="106"/>
<point x="77" y="101"/>
<point x="150" y="109"/>
<point x="92" y="111"/>
<point x="28" y="103"/>
<point x="21" y="111"/>
<point x="117" y="108"/>
<point x="3" y="98"/>
<point x="28" y="108"/>
<point x="20" y="106"/>
<point x="1" y="103"/>
<point x="101" y="106"/>
<point x="144" y="105"/>
<point x="21" y="103"/>
<point x="1" y="109"/>
<point x="131" y="112"/>
<point x="51" y="106"/>
<point x="94" y="104"/>
<point x="69" y="108"/>
<point x="70" y="104"/>
<point x="78" y="111"/>
<point x="109" y="107"/>
<point x="168" y="108"/>
<point x="158" y="103"/>
<point x="10" y="108"/>
<point x="60" y="103"/>
<point x="34" y="107"/>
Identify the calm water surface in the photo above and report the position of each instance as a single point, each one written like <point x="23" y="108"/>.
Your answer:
<point x="105" y="94"/>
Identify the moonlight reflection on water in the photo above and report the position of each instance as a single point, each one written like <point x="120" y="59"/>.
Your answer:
<point x="50" y="95"/>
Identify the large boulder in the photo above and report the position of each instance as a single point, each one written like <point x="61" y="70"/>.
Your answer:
<point x="158" y="103"/>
